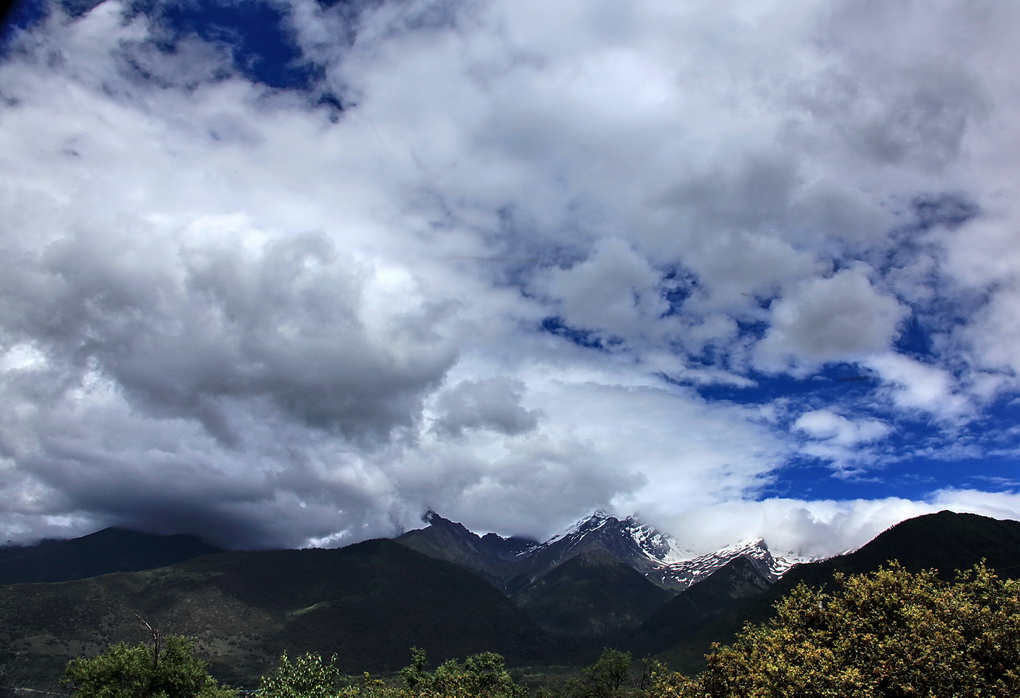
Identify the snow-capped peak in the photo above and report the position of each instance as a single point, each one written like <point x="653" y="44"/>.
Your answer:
<point x="655" y="544"/>
<point x="687" y="572"/>
<point x="592" y="522"/>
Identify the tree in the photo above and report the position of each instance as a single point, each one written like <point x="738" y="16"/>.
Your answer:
<point x="308" y="676"/>
<point x="481" y="675"/>
<point x="167" y="669"/>
<point x="889" y="633"/>
<point x="603" y="679"/>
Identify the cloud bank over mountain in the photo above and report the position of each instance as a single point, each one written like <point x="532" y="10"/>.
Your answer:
<point x="743" y="267"/>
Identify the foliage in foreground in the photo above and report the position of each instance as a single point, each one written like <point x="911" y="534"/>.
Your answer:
<point x="166" y="669"/>
<point x="889" y="633"/>
<point x="309" y="676"/>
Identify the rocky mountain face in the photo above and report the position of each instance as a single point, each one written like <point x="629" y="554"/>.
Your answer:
<point x="592" y="597"/>
<point x="493" y="557"/>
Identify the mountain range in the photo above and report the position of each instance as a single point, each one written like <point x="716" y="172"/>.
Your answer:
<point x="603" y="582"/>
<point x="514" y="563"/>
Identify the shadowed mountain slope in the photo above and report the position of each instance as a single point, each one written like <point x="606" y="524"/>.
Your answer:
<point x="491" y="556"/>
<point x="736" y="582"/>
<point x="103" y="552"/>
<point x="945" y="541"/>
<point x="592" y="597"/>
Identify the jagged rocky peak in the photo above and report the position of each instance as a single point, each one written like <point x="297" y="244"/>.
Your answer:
<point x="597" y="519"/>
<point x="490" y="545"/>
<point x="629" y="532"/>
<point x="433" y="519"/>
<point x="655" y="543"/>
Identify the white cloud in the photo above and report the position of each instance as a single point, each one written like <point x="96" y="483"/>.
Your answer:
<point x="492" y="403"/>
<point x="614" y="293"/>
<point x="825" y="424"/>
<point x="842" y="441"/>
<point x="823" y="528"/>
<point x="284" y="329"/>
<point x="917" y="386"/>
<point x="839" y="318"/>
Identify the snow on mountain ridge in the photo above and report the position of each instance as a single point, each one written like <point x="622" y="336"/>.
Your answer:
<point x="597" y="519"/>
<point x="660" y="558"/>
<point x="657" y="545"/>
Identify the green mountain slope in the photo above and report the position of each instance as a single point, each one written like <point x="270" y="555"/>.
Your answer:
<point x="368" y="603"/>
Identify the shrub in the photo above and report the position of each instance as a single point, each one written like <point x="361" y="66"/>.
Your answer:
<point x="166" y="669"/>
<point x="889" y="633"/>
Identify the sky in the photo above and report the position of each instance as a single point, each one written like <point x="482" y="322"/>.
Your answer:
<point x="286" y="273"/>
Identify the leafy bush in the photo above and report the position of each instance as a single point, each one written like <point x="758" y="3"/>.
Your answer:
<point x="166" y="669"/>
<point x="480" y="676"/>
<point x="483" y="675"/>
<point x="603" y="679"/>
<point x="308" y="676"/>
<point x="889" y="633"/>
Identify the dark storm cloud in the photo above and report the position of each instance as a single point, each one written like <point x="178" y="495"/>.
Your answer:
<point x="182" y="330"/>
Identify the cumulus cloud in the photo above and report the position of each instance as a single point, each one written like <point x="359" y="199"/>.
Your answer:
<point x="840" y="440"/>
<point x="917" y="386"/>
<point x="509" y="260"/>
<point x="185" y="327"/>
<point x="837" y="318"/>
<point x="615" y="292"/>
<point x="824" y="424"/>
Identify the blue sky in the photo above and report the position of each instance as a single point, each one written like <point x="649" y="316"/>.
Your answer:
<point x="289" y="272"/>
